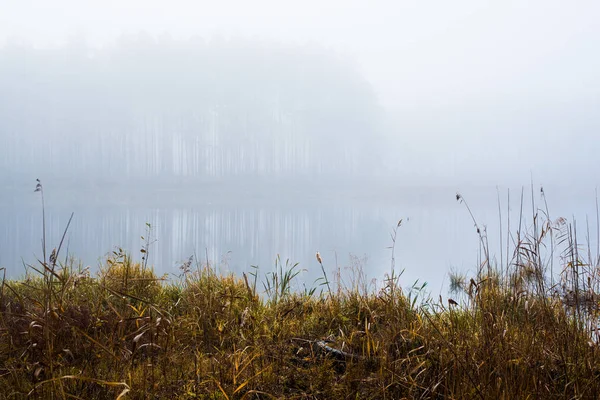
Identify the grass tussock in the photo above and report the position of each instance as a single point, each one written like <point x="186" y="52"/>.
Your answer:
<point x="512" y="331"/>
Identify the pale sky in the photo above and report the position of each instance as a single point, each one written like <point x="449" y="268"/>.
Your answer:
<point x="517" y="80"/>
<point x="412" y="51"/>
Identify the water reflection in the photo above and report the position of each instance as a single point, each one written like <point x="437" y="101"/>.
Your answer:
<point x="248" y="236"/>
<point x="436" y="235"/>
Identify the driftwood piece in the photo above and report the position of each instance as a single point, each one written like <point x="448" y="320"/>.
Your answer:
<point x="338" y="354"/>
<point x="324" y="348"/>
<point x="319" y="350"/>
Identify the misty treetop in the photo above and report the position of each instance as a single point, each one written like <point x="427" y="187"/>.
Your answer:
<point x="160" y="108"/>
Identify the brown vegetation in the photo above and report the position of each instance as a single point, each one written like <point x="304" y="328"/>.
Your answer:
<point x="511" y="332"/>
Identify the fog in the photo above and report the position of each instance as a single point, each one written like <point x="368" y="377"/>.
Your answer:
<point x="473" y="89"/>
<point x="147" y="108"/>
<point x="294" y="107"/>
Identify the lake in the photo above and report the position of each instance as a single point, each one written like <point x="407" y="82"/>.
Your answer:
<point x="236" y="228"/>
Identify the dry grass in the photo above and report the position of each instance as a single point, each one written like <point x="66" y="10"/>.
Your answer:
<point x="513" y="332"/>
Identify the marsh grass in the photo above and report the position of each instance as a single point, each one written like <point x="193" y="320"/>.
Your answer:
<point x="512" y="330"/>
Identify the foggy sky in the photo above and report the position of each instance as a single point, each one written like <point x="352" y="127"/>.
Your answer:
<point x="484" y="89"/>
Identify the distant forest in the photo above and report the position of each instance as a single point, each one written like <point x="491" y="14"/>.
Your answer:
<point x="161" y="108"/>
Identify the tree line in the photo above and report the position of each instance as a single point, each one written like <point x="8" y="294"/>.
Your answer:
<point x="150" y="108"/>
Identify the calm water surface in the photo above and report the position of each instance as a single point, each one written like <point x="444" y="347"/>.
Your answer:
<point x="437" y="234"/>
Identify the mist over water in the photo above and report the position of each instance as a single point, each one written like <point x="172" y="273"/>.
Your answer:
<point x="157" y="110"/>
<point x="239" y="145"/>
<point x="437" y="234"/>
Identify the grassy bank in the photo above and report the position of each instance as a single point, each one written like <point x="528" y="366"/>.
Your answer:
<point x="510" y="331"/>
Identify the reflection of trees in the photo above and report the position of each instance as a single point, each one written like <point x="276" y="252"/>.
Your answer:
<point x="147" y="108"/>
